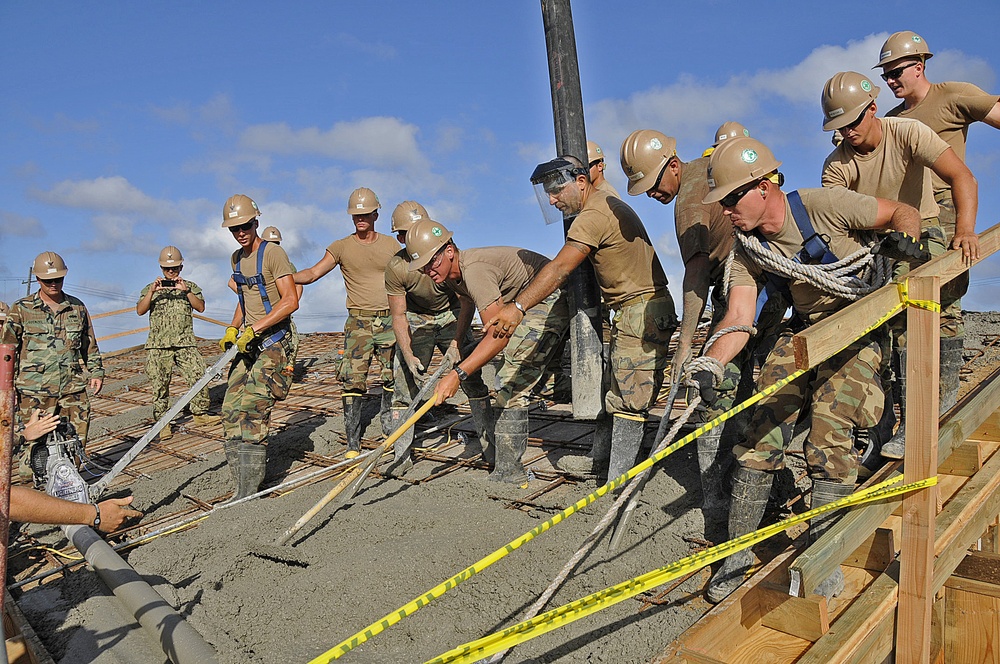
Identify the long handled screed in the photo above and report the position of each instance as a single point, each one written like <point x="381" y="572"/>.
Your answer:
<point x="100" y="486"/>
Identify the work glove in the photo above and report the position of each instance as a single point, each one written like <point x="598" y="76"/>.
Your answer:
<point x="416" y="368"/>
<point x="453" y="355"/>
<point x="229" y="338"/>
<point x="900" y="246"/>
<point x="706" y="387"/>
<point x="246" y="339"/>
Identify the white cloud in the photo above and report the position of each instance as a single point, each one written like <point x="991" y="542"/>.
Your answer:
<point x="112" y="194"/>
<point x="377" y="49"/>
<point x="19" y="225"/>
<point x="374" y="141"/>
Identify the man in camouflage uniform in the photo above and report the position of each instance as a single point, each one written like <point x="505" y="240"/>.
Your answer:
<point x="425" y="316"/>
<point x="169" y="301"/>
<point x="55" y="345"/>
<point x="633" y="284"/>
<point x="362" y="257"/>
<point x="487" y="278"/>
<point x="842" y="393"/>
<point x="263" y="275"/>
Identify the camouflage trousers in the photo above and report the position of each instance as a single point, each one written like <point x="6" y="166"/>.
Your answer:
<point x="842" y="393"/>
<point x="959" y="286"/>
<point x="366" y="337"/>
<point x="531" y="349"/>
<point x="640" y="333"/>
<point x="74" y="408"/>
<point x="256" y="382"/>
<point x="428" y="332"/>
<point x="160" y="364"/>
<point x="934" y="236"/>
<point x="293" y="346"/>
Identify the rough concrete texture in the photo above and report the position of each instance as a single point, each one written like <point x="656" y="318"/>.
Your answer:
<point x="394" y="542"/>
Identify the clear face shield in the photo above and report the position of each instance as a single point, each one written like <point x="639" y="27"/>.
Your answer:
<point x="556" y="190"/>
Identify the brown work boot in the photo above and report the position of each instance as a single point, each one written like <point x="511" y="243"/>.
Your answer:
<point x="166" y="433"/>
<point x="205" y="419"/>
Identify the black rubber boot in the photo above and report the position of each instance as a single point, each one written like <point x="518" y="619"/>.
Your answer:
<point x="511" y="436"/>
<point x="352" y="424"/>
<point x="751" y="489"/>
<point x="482" y="418"/>
<point x="385" y="412"/>
<point x="403" y="454"/>
<point x="896" y="446"/>
<point x="253" y="464"/>
<point x="713" y="465"/>
<point x="823" y="493"/>
<point x="232" y="449"/>
<point x="626" y="439"/>
<point x="951" y="363"/>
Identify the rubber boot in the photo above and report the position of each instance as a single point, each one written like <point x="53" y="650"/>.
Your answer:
<point x="511" y="437"/>
<point x="403" y="455"/>
<point x="951" y="363"/>
<point x="253" y="464"/>
<point x="232" y="449"/>
<point x="385" y="412"/>
<point x="204" y="419"/>
<point x="166" y="433"/>
<point x="751" y="489"/>
<point x="897" y="444"/>
<point x="713" y="466"/>
<point x="626" y="438"/>
<point x="482" y="419"/>
<point x="823" y="493"/>
<point x="352" y="424"/>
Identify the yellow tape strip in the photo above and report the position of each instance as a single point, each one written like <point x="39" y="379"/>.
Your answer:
<point x="904" y="298"/>
<point x="568" y="613"/>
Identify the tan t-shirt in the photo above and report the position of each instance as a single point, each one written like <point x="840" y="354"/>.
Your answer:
<point x="492" y="273"/>
<point x="363" y="267"/>
<point x="423" y="296"/>
<point x="897" y="169"/>
<point x="949" y="108"/>
<point x="606" y="187"/>
<point x="701" y="228"/>
<point x="276" y="265"/>
<point x="623" y="257"/>
<point x="839" y="213"/>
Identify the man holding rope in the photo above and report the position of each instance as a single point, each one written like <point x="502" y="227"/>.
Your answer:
<point x="779" y="239"/>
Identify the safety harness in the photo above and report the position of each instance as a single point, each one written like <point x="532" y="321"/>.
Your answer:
<point x="258" y="281"/>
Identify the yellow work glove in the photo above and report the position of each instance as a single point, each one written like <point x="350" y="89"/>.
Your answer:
<point x="246" y="339"/>
<point x="229" y="338"/>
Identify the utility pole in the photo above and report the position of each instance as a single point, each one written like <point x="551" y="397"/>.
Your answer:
<point x="586" y="343"/>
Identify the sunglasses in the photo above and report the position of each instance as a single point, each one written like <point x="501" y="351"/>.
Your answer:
<point x="730" y="200"/>
<point x="173" y="269"/>
<point x="897" y="72"/>
<point x="57" y="280"/>
<point x="242" y="228"/>
<point x="854" y="125"/>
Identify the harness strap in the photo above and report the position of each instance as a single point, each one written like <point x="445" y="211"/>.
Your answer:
<point x="258" y="281"/>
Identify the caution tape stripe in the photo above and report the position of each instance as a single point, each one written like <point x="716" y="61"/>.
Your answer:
<point x="568" y="613"/>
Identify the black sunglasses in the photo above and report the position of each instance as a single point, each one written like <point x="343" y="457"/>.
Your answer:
<point x="897" y="72"/>
<point x="730" y="200"/>
<point x="57" y="280"/>
<point x="854" y="125"/>
<point x="243" y="227"/>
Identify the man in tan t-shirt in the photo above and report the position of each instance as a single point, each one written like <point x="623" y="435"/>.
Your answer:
<point x="425" y="316"/>
<point x="894" y="158"/>
<point x="841" y="394"/>
<point x="487" y="278"/>
<point x="256" y="378"/>
<point x="633" y="284"/>
<point x="595" y="160"/>
<point x="362" y="257"/>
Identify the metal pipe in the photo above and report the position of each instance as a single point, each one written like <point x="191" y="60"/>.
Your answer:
<point x="7" y="399"/>
<point x="179" y="641"/>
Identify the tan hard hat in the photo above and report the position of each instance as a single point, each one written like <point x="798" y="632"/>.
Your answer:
<point x="271" y="234"/>
<point x="644" y="154"/>
<point x="362" y="201"/>
<point x="737" y="162"/>
<point x="238" y="210"/>
<point x="406" y="214"/>
<point x="49" y="265"/>
<point x="171" y="257"/>
<point x="594" y="152"/>
<point x="424" y="239"/>
<point x="903" y="44"/>
<point x="845" y="96"/>
<point x="729" y="130"/>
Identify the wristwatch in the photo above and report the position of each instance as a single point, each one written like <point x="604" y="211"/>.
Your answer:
<point x="97" y="518"/>
<point x="520" y="307"/>
<point x="462" y="374"/>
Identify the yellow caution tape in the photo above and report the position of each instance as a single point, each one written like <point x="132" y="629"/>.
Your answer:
<point x="437" y="591"/>
<point x="568" y="613"/>
<point x="904" y="299"/>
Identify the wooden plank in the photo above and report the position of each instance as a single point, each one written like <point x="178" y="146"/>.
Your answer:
<point x="876" y="553"/>
<point x="820" y="559"/>
<point x="972" y="586"/>
<point x="965" y="460"/>
<point x="972" y="628"/>
<point x="825" y="338"/>
<point x="804" y="617"/>
<point x="989" y="429"/>
<point x="767" y="645"/>
<point x="981" y="567"/>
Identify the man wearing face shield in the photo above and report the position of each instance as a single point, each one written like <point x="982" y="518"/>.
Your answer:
<point x="633" y="284"/>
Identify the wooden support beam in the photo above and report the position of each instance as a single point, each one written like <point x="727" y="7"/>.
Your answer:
<point x="827" y="337"/>
<point x="823" y="556"/>
<point x="965" y="460"/>
<point x="804" y="617"/>
<point x="916" y="553"/>
<point x="876" y="553"/>
<point x="972" y="627"/>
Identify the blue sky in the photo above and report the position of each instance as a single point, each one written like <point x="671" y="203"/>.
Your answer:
<point x="125" y="126"/>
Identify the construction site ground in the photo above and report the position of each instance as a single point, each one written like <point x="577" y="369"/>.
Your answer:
<point x="394" y="541"/>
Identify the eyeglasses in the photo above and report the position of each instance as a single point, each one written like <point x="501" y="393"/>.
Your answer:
<point x="897" y="72"/>
<point x="242" y="228"/>
<point x="730" y="200"/>
<point x="595" y="162"/>
<point x="854" y="125"/>
<point x="172" y="269"/>
<point x="656" y="185"/>
<point x="48" y="282"/>
<point x="435" y="262"/>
